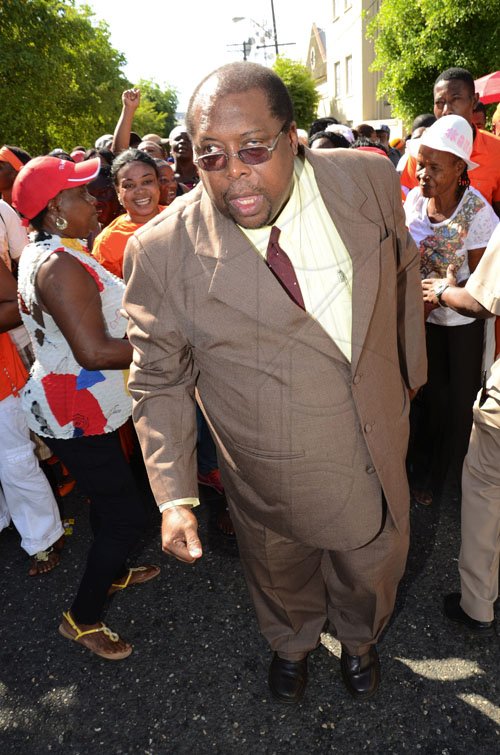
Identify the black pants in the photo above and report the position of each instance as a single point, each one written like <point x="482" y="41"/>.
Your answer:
<point x="117" y="514"/>
<point x="454" y="356"/>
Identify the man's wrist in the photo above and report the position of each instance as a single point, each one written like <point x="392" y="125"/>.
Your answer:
<point x="439" y="290"/>
<point x="191" y="502"/>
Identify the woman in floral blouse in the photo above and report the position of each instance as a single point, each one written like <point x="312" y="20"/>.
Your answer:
<point x="76" y="397"/>
<point x="451" y="223"/>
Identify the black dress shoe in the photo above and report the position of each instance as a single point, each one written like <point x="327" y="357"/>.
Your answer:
<point x="454" y="612"/>
<point x="287" y="679"/>
<point x="361" y="673"/>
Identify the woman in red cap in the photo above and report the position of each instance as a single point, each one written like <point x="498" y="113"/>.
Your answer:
<point x="76" y="397"/>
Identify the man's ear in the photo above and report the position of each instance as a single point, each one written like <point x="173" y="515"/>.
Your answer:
<point x="294" y="138"/>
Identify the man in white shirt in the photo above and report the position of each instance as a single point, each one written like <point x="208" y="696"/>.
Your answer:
<point x="473" y="606"/>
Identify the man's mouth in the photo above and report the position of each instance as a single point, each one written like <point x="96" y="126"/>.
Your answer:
<point x="248" y="204"/>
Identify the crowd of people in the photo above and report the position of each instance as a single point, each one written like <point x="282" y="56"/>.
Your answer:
<point x="328" y="374"/>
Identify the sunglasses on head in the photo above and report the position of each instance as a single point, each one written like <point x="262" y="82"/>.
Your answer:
<point x="247" y="155"/>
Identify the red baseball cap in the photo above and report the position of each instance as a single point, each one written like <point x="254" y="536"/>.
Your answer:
<point x="42" y="178"/>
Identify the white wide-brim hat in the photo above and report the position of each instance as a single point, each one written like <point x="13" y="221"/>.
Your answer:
<point x="450" y="133"/>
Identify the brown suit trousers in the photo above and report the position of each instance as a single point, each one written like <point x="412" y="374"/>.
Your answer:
<point x="298" y="590"/>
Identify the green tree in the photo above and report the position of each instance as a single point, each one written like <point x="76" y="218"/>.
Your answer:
<point x="62" y="77"/>
<point x="301" y="87"/>
<point x="415" y="40"/>
<point x="147" y="119"/>
<point x="164" y="101"/>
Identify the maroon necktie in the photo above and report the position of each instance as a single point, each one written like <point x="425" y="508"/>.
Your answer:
<point x="280" y="265"/>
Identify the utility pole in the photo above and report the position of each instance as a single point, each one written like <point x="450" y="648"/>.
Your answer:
<point x="245" y="47"/>
<point x="267" y="35"/>
<point x="275" y="32"/>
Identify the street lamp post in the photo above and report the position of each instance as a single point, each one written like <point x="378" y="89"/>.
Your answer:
<point x="267" y="33"/>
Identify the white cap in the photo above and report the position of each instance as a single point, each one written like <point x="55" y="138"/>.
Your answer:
<point x="450" y="133"/>
<point x="104" y="141"/>
<point x="339" y="128"/>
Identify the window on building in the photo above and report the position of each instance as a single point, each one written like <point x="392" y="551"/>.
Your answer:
<point x="348" y="75"/>
<point x="336" y="79"/>
<point x="340" y="7"/>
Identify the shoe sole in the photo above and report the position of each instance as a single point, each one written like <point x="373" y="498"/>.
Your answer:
<point x="107" y="656"/>
<point x="353" y="692"/>
<point x="146" y="578"/>
<point x="287" y="700"/>
<point x="488" y="632"/>
<point x="359" y="695"/>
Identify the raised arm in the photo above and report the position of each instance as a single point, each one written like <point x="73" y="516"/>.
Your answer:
<point x="131" y="99"/>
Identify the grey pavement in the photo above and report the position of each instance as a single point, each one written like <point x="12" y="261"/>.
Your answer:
<point x="197" y="680"/>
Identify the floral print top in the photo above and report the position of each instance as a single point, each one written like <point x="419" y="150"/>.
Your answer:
<point x="446" y="243"/>
<point x="62" y="399"/>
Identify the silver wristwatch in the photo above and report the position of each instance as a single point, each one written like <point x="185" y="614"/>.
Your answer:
<point x="439" y="291"/>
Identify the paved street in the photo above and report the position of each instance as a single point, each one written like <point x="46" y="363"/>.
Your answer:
<point x="196" y="682"/>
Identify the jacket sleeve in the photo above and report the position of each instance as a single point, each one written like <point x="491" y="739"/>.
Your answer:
<point x="411" y="324"/>
<point x="162" y="377"/>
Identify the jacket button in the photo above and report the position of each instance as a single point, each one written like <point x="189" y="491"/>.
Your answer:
<point x="370" y="470"/>
<point x="368" y="428"/>
<point x="356" y="379"/>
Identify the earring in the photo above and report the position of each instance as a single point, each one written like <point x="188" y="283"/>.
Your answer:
<point x="61" y="223"/>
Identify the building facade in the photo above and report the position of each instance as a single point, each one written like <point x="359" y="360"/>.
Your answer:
<point x="349" y="91"/>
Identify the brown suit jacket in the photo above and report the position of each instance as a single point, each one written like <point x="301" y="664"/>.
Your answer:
<point x="306" y="439"/>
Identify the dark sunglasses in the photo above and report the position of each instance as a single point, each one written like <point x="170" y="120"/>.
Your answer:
<point x="247" y="155"/>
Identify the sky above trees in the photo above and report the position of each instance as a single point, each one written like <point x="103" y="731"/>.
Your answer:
<point x="180" y="43"/>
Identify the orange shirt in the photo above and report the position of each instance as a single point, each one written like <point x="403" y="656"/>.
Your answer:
<point x="12" y="372"/>
<point x="485" y="178"/>
<point x="109" y="245"/>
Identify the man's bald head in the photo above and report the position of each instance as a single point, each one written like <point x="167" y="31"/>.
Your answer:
<point x="235" y="78"/>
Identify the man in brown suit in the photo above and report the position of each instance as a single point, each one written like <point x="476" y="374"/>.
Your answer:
<point x="303" y="358"/>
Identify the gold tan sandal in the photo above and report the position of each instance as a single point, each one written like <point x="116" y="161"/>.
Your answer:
<point x="44" y="561"/>
<point x="135" y="576"/>
<point x="113" y="654"/>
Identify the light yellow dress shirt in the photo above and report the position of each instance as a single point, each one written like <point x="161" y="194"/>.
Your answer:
<point x="321" y="261"/>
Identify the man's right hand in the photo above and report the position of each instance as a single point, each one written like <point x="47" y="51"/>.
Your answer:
<point x="179" y="534"/>
<point x="131" y="99"/>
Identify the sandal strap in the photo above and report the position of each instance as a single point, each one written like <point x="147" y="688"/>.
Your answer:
<point x="128" y="577"/>
<point x="43" y="556"/>
<point x="113" y="636"/>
